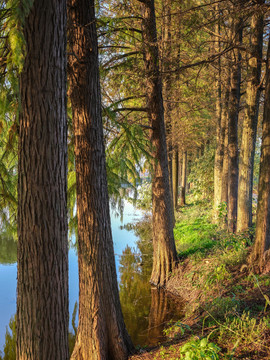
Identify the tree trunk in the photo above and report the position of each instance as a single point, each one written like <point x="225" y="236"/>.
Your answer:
<point x="233" y="129"/>
<point x="179" y="169"/>
<point x="224" y="134"/>
<point x="167" y="92"/>
<point x="101" y="331"/>
<point x="175" y="173"/>
<point x="219" y="153"/>
<point x="260" y="255"/>
<point x="246" y="160"/>
<point x="164" y="256"/>
<point x="42" y="287"/>
<point x="184" y="180"/>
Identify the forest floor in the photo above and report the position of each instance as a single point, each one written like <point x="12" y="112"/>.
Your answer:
<point x="227" y="311"/>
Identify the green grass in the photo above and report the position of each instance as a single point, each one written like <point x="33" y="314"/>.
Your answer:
<point x="193" y="232"/>
<point x="230" y="304"/>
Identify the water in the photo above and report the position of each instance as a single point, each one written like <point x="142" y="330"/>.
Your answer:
<point x="146" y="311"/>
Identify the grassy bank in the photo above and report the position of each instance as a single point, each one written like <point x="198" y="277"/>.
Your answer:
<point x="227" y="311"/>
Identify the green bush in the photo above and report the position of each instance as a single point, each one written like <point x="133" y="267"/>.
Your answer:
<point x="199" y="350"/>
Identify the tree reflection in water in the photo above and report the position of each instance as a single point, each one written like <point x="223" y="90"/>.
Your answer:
<point x="146" y="311"/>
<point x="8" y="250"/>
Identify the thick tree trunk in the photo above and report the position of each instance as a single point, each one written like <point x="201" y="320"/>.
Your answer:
<point x="101" y="331"/>
<point x="164" y="256"/>
<point x="175" y="175"/>
<point x="184" y="180"/>
<point x="42" y="288"/>
<point x="260" y="255"/>
<point x="246" y="160"/>
<point x="233" y="130"/>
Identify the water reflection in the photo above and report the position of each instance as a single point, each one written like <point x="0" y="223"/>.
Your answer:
<point x="147" y="311"/>
<point x="8" y="251"/>
<point x="165" y="309"/>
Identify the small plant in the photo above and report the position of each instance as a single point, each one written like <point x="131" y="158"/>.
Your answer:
<point x="200" y="349"/>
<point x="245" y="329"/>
<point x="222" y="211"/>
<point x="177" y="328"/>
<point x="222" y="307"/>
<point x="218" y="276"/>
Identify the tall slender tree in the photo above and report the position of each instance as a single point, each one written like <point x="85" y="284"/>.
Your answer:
<point x="164" y="256"/>
<point x="219" y="152"/>
<point x="183" y="179"/>
<point x="101" y="334"/>
<point x="42" y="290"/>
<point x="260" y="255"/>
<point x="246" y="158"/>
<point x="233" y="121"/>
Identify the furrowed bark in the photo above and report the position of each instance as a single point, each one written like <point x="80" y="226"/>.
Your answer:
<point x="42" y="286"/>
<point x="246" y="159"/>
<point x="164" y="255"/>
<point x="101" y="334"/>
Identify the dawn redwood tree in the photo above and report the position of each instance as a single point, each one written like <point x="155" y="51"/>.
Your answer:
<point x="164" y="251"/>
<point x="224" y="136"/>
<point x="101" y="334"/>
<point x="246" y="158"/>
<point x="183" y="179"/>
<point x="234" y="102"/>
<point x="260" y="256"/>
<point x="175" y="176"/>
<point x="42" y="289"/>
<point x="219" y="151"/>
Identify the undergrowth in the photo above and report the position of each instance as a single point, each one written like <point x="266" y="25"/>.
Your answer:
<point x="226" y="306"/>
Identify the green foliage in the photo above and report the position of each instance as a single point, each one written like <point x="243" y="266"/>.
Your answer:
<point x="144" y="200"/>
<point x="18" y="11"/>
<point x="10" y="341"/>
<point x="8" y="179"/>
<point x="243" y="330"/>
<point x="177" y="328"/>
<point x="218" y="276"/>
<point x="202" y="175"/>
<point x="199" y="350"/>
<point x="222" y="212"/>
<point x="124" y="153"/>
<point x="220" y="308"/>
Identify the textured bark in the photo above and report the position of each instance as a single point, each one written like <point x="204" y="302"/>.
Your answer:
<point x="260" y="255"/>
<point x="101" y="331"/>
<point x="224" y="133"/>
<point x="233" y="129"/>
<point x="175" y="173"/>
<point x="219" y="153"/>
<point x="167" y="88"/>
<point x="246" y="159"/>
<point x="164" y="252"/>
<point x="179" y="169"/>
<point x="42" y="288"/>
<point x="184" y="180"/>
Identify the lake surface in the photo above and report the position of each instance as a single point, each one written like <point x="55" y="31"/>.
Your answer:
<point x="146" y="311"/>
